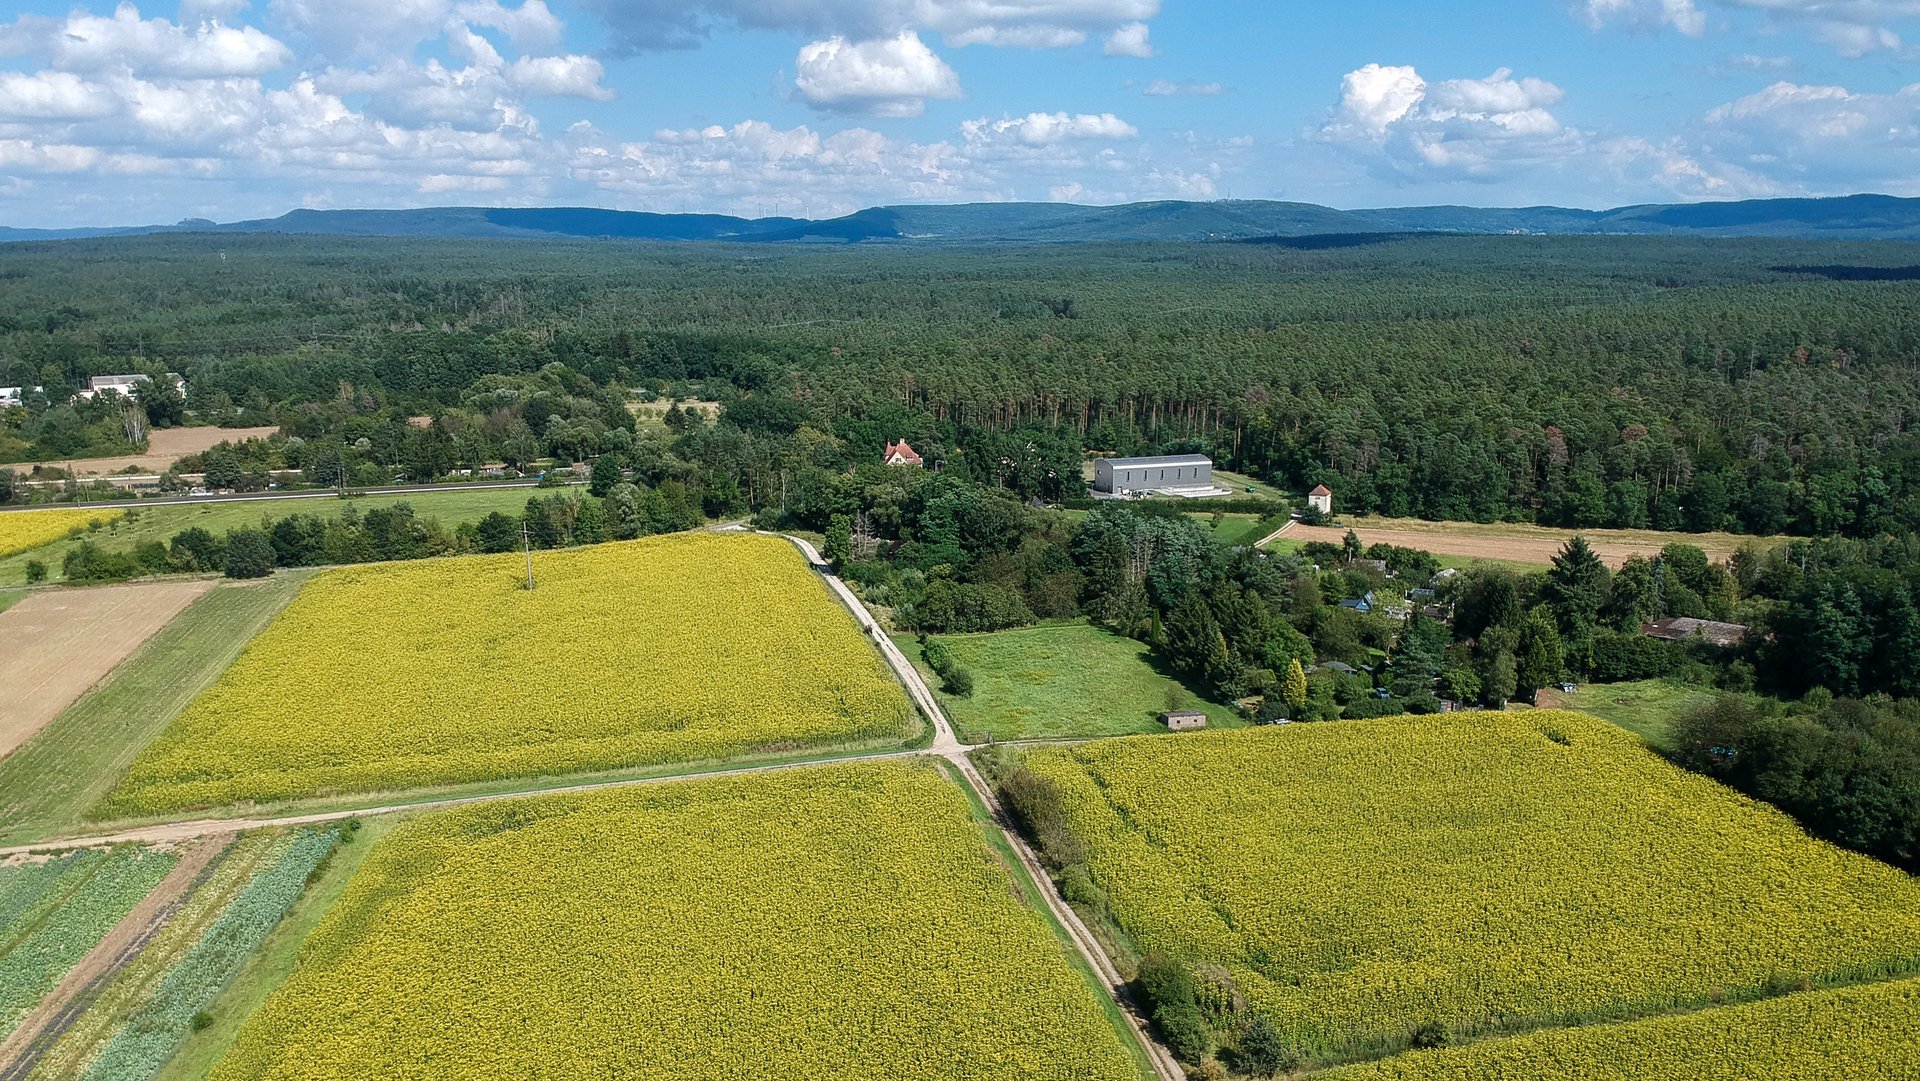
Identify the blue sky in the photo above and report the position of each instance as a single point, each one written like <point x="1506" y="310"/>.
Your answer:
<point x="117" y="114"/>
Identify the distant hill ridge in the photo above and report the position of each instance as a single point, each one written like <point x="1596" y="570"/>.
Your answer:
<point x="1861" y="217"/>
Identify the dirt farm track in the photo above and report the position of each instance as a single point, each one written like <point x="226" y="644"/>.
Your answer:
<point x="59" y="642"/>
<point x="1518" y="543"/>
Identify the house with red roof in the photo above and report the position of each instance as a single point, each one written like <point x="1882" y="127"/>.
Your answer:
<point x="901" y="454"/>
<point x="1321" y="499"/>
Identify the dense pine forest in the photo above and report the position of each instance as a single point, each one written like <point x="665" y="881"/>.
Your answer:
<point x="1762" y="387"/>
<point x="1681" y="384"/>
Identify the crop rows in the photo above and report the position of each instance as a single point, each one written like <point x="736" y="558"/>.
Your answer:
<point x="140" y="1017"/>
<point x="1850" y="1034"/>
<point x="440" y="672"/>
<point x="845" y="922"/>
<point x="55" y="912"/>
<point x="1480" y="872"/>
<point x="24" y="531"/>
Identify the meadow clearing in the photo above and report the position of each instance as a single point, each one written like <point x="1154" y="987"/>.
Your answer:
<point x="1479" y="872"/>
<point x="1059" y="681"/>
<point x="834" y="922"/>
<point x="1867" y="1033"/>
<point x="674" y="649"/>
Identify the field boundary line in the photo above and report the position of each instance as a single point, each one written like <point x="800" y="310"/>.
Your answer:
<point x="188" y="829"/>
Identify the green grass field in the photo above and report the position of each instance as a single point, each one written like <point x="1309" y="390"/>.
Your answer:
<point x="1291" y="546"/>
<point x="1244" y="485"/>
<point x="451" y="507"/>
<point x="1060" y="681"/>
<point x="51" y="781"/>
<point x="1239" y="530"/>
<point x="1645" y="707"/>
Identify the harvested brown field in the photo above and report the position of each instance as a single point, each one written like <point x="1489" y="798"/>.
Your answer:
<point x="1515" y="543"/>
<point x="165" y="447"/>
<point x="59" y="642"/>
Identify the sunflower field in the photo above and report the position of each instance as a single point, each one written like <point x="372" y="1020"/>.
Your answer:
<point x="832" y="922"/>
<point x="408" y="675"/>
<point x="1480" y="872"/>
<point x="23" y="531"/>
<point x="1852" y="1034"/>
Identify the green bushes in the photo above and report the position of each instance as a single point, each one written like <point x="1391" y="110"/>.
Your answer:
<point x="954" y="679"/>
<point x="1168" y="994"/>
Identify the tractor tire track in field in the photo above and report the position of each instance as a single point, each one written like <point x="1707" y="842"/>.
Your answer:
<point x="40" y="1028"/>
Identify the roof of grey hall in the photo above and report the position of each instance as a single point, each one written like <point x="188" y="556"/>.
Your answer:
<point x="1170" y="459"/>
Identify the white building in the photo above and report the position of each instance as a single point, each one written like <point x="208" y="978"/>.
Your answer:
<point x="12" y="396"/>
<point x="1188" y="475"/>
<point x="1321" y="499"/>
<point x="124" y="384"/>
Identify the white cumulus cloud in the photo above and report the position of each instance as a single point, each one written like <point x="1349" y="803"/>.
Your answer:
<point x="1048" y="129"/>
<point x="85" y="42"/>
<point x="1129" y="40"/>
<point x="1850" y="27"/>
<point x="891" y="77"/>
<point x="1480" y="128"/>
<point x="53" y="95"/>
<point x="561" y="76"/>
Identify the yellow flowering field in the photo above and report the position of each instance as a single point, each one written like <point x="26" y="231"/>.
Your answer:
<point x="23" y="531"/>
<point x="1479" y="871"/>
<point x="833" y="923"/>
<point x="1852" y="1034"/>
<point x="407" y="675"/>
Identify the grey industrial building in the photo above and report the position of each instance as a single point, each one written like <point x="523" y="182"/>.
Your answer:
<point x="1178" y="474"/>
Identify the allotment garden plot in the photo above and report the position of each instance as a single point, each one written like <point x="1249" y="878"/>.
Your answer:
<point x="1480" y="872"/>
<point x="440" y="672"/>
<point x="1850" y="1034"/>
<point x="833" y="922"/>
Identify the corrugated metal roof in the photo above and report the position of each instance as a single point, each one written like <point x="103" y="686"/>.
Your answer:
<point x="1174" y="459"/>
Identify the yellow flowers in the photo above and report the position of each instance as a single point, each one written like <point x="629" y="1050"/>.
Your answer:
<point x="1483" y="872"/>
<point x="407" y="675"/>
<point x="23" y="531"/>
<point x="837" y="923"/>
<point x="1853" y="1034"/>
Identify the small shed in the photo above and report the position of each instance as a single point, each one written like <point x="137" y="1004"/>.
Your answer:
<point x="1183" y="720"/>
<point x="1321" y="499"/>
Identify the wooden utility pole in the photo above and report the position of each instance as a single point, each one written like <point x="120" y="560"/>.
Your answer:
<point x="526" y="541"/>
